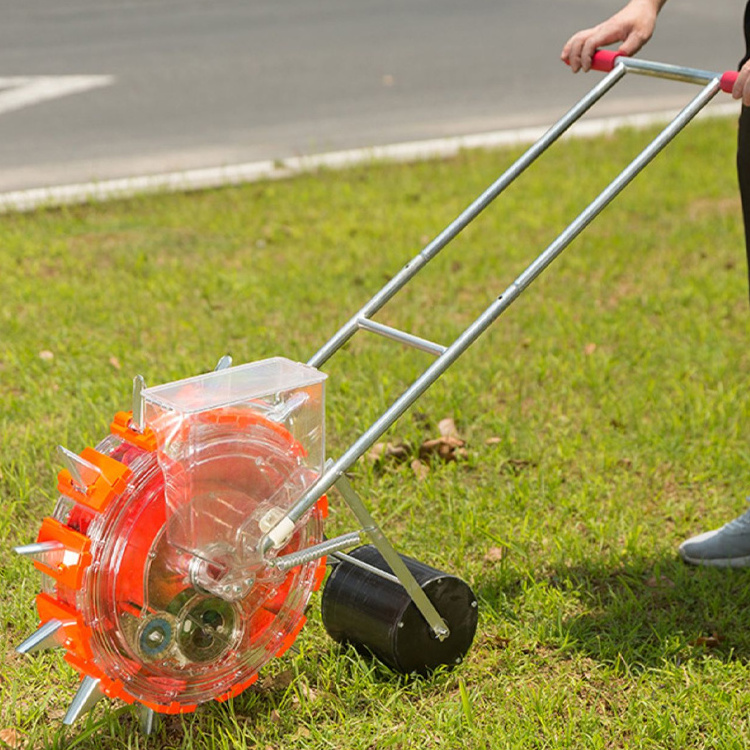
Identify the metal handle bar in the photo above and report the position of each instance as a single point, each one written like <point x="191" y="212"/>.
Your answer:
<point x="335" y="471"/>
<point x="605" y="61"/>
<point x="432" y="249"/>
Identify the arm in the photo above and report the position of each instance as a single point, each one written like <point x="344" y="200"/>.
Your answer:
<point x="632" y="26"/>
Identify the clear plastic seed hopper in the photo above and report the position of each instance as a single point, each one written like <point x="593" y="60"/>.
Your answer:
<point x="185" y="547"/>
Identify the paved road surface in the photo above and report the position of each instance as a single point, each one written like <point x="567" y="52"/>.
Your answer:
<point x="215" y="82"/>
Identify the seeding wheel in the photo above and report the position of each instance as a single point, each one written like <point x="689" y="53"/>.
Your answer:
<point x="123" y="600"/>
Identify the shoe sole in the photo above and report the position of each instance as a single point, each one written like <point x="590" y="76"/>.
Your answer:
<point x="717" y="562"/>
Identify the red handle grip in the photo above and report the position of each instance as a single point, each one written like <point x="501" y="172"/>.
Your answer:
<point x="604" y="60"/>
<point x="728" y="80"/>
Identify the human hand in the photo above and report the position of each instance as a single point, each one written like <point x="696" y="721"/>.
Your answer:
<point x="633" y="26"/>
<point x="741" y="88"/>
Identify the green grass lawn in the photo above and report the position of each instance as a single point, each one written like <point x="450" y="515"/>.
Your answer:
<point x="605" y="418"/>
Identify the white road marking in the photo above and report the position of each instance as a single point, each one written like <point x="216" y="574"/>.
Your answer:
<point x="201" y="179"/>
<point x="24" y="91"/>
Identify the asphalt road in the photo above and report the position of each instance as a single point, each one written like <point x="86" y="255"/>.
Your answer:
<point x="197" y="83"/>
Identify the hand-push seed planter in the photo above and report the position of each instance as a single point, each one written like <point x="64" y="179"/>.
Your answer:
<point x="184" y="548"/>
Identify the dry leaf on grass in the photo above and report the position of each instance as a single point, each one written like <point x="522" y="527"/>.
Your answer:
<point x="389" y="451"/>
<point x="446" y="448"/>
<point x="11" y="738"/>
<point x="115" y="363"/>
<point x="493" y="441"/>
<point x="447" y="428"/>
<point x="707" y="641"/>
<point x="376" y="452"/>
<point x="46" y="355"/>
<point x="500" y="641"/>
<point x="421" y="471"/>
<point x="589" y="349"/>
<point x="280" y="681"/>
<point x="308" y="692"/>
<point x="494" y="554"/>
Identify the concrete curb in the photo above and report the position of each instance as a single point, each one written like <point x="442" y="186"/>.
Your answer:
<point x="213" y="177"/>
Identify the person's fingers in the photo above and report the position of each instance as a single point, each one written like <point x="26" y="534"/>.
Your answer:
<point x="631" y="27"/>
<point x="571" y="52"/>
<point x="599" y="37"/>
<point x="565" y="54"/>
<point x="580" y="48"/>
<point x="633" y="42"/>
<point x="741" y="88"/>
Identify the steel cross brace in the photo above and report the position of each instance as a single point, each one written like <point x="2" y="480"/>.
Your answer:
<point x="395" y="563"/>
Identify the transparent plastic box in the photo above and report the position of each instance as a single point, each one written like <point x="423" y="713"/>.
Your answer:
<point x="237" y="448"/>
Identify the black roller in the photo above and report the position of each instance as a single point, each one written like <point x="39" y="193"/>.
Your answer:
<point x="377" y="615"/>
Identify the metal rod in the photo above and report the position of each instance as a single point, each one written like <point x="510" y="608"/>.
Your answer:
<point x="44" y="637"/>
<point x="88" y="695"/>
<point x="138" y="422"/>
<point x="603" y="200"/>
<point x="401" y="336"/>
<point x="224" y="363"/>
<point x="469" y="214"/>
<point x="664" y="70"/>
<point x="83" y="472"/>
<point x="148" y="719"/>
<point x="34" y="549"/>
<point x="366" y="566"/>
<point x="393" y="559"/>
<point x="316" y="551"/>
<point x="336" y="470"/>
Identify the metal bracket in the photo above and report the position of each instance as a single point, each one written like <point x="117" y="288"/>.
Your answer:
<point x="138" y="423"/>
<point x="395" y="563"/>
<point x="224" y="363"/>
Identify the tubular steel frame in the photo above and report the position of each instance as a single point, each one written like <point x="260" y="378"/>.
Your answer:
<point x="334" y="473"/>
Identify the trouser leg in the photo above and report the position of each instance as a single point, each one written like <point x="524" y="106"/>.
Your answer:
<point x="743" y="174"/>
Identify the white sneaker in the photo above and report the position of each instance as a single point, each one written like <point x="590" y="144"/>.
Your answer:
<point x="727" y="547"/>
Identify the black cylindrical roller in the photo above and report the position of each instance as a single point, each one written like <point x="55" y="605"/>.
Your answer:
<point x="372" y="613"/>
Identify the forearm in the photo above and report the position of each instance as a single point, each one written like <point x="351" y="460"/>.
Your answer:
<point x="643" y="8"/>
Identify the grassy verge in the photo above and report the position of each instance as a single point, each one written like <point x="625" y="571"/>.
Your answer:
<point x="605" y="418"/>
